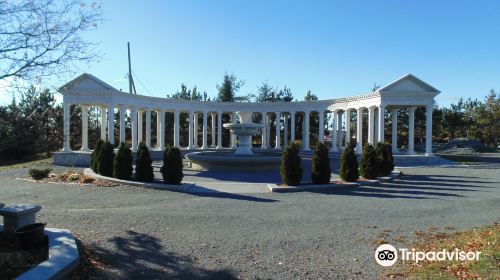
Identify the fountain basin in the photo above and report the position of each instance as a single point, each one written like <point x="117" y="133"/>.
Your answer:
<point x="229" y="161"/>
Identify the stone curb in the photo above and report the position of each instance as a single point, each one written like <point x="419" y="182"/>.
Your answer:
<point x="151" y="185"/>
<point x="63" y="257"/>
<point x="304" y="188"/>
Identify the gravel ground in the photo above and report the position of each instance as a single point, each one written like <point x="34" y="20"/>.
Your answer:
<point x="145" y="233"/>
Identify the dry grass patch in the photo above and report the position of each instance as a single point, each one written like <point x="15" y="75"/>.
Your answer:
<point x="485" y="239"/>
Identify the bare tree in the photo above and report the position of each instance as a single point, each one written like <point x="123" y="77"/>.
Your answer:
<point x="43" y="38"/>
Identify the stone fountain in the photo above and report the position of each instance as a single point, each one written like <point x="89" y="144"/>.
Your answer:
<point x="243" y="158"/>
<point x="244" y="131"/>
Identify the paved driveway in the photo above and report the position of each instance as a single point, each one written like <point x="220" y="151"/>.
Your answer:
<point x="144" y="233"/>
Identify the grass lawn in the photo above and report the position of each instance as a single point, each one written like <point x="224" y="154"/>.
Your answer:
<point x="25" y="163"/>
<point x="485" y="239"/>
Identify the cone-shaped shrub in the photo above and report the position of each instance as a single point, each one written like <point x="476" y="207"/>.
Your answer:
<point x="384" y="152"/>
<point x="369" y="165"/>
<point x="143" y="168"/>
<point x="291" y="170"/>
<point x="172" y="166"/>
<point x="348" y="165"/>
<point x="320" y="173"/>
<point x="95" y="154"/>
<point x="123" y="163"/>
<point x="105" y="159"/>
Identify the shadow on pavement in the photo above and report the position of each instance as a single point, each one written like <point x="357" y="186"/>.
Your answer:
<point x="204" y="192"/>
<point x="140" y="256"/>
<point x="414" y="187"/>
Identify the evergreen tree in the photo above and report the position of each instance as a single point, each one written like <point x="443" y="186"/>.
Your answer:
<point x="321" y="172"/>
<point x="172" y="166"/>
<point x="348" y="165"/>
<point x="369" y="165"/>
<point x="95" y="154"/>
<point x="143" y="167"/>
<point x="291" y="170"/>
<point x="105" y="159"/>
<point x="123" y="163"/>
<point x="384" y="152"/>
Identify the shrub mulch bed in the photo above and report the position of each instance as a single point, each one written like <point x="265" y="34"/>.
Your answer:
<point x="14" y="261"/>
<point x="76" y="177"/>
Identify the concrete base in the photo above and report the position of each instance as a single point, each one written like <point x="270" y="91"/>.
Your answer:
<point x="63" y="257"/>
<point x="18" y="216"/>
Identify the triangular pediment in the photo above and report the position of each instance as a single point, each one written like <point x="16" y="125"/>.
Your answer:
<point x="86" y="83"/>
<point x="409" y="83"/>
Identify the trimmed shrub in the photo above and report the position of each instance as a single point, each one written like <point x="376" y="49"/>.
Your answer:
<point x="384" y="152"/>
<point x="348" y="165"/>
<point x="95" y="154"/>
<point x="39" y="174"/>
<point x="143" y="168"/>
<point x="123" y="163"/>
<point x="105" y="159"/>
<point x="291" y="171"/>
<point x="171" y="170"/>
<point x="321" y="171"/>
<point x="369" y="165"/>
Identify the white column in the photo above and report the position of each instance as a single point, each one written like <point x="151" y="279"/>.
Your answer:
<point x="205" y="130"/>
<point x="133" y="117"/>
<point x="104" y="122"/>
<point x="219" y="130"/>
<point x="381" y="124"/>
<point x="85" y="128"/>
<point x="122" y="123"/>
<point x="292" y="126"/>
<point x="212" y="115"/>
<point x="278" y="131"/>
<point x="371" y="115"/>
<point x="306" y="132"/>
<point x="347" y="127"/>
<point x="195" y="130"/>
<point x="321" y="131"/>
<point x="285" y="131"/>
<point x="140" y="129"/>
<point x="394" y="115"/>
<point x="334" y="147"/>
<point x="359" y="131"/>
<point x="158" y="129"/>
<point x="190" y="142"/>
<point x="161" y="128"/>
<point x="176" y="128"/>
<point x="268" y="131"/>
<point x="264" y="131"/>
<point x="428" y="130"/>
<point x="232" y="135"/>
<point x="111" y="124"/>
<point x="339" y="129"/>
<point x="66" y="121"/>
<point x="148" y="128"/>
<point x="411" y="130"/>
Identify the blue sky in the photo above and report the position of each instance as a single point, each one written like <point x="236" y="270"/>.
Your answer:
<point x="334" y="48"/>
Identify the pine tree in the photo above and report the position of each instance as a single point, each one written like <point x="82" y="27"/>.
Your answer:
<point x="384" y="152"/>
<point x="348" y="165"/>
<point x="105" y="159"/>
<point x="123" y="163"/>
<point x="143" y="167"/>
<point x="321" y="172"/>
<point x="172" y="166"/>
<point x="291" y="170"/>
<point x="95" y="154"/>
<point x="369" y="165"/>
